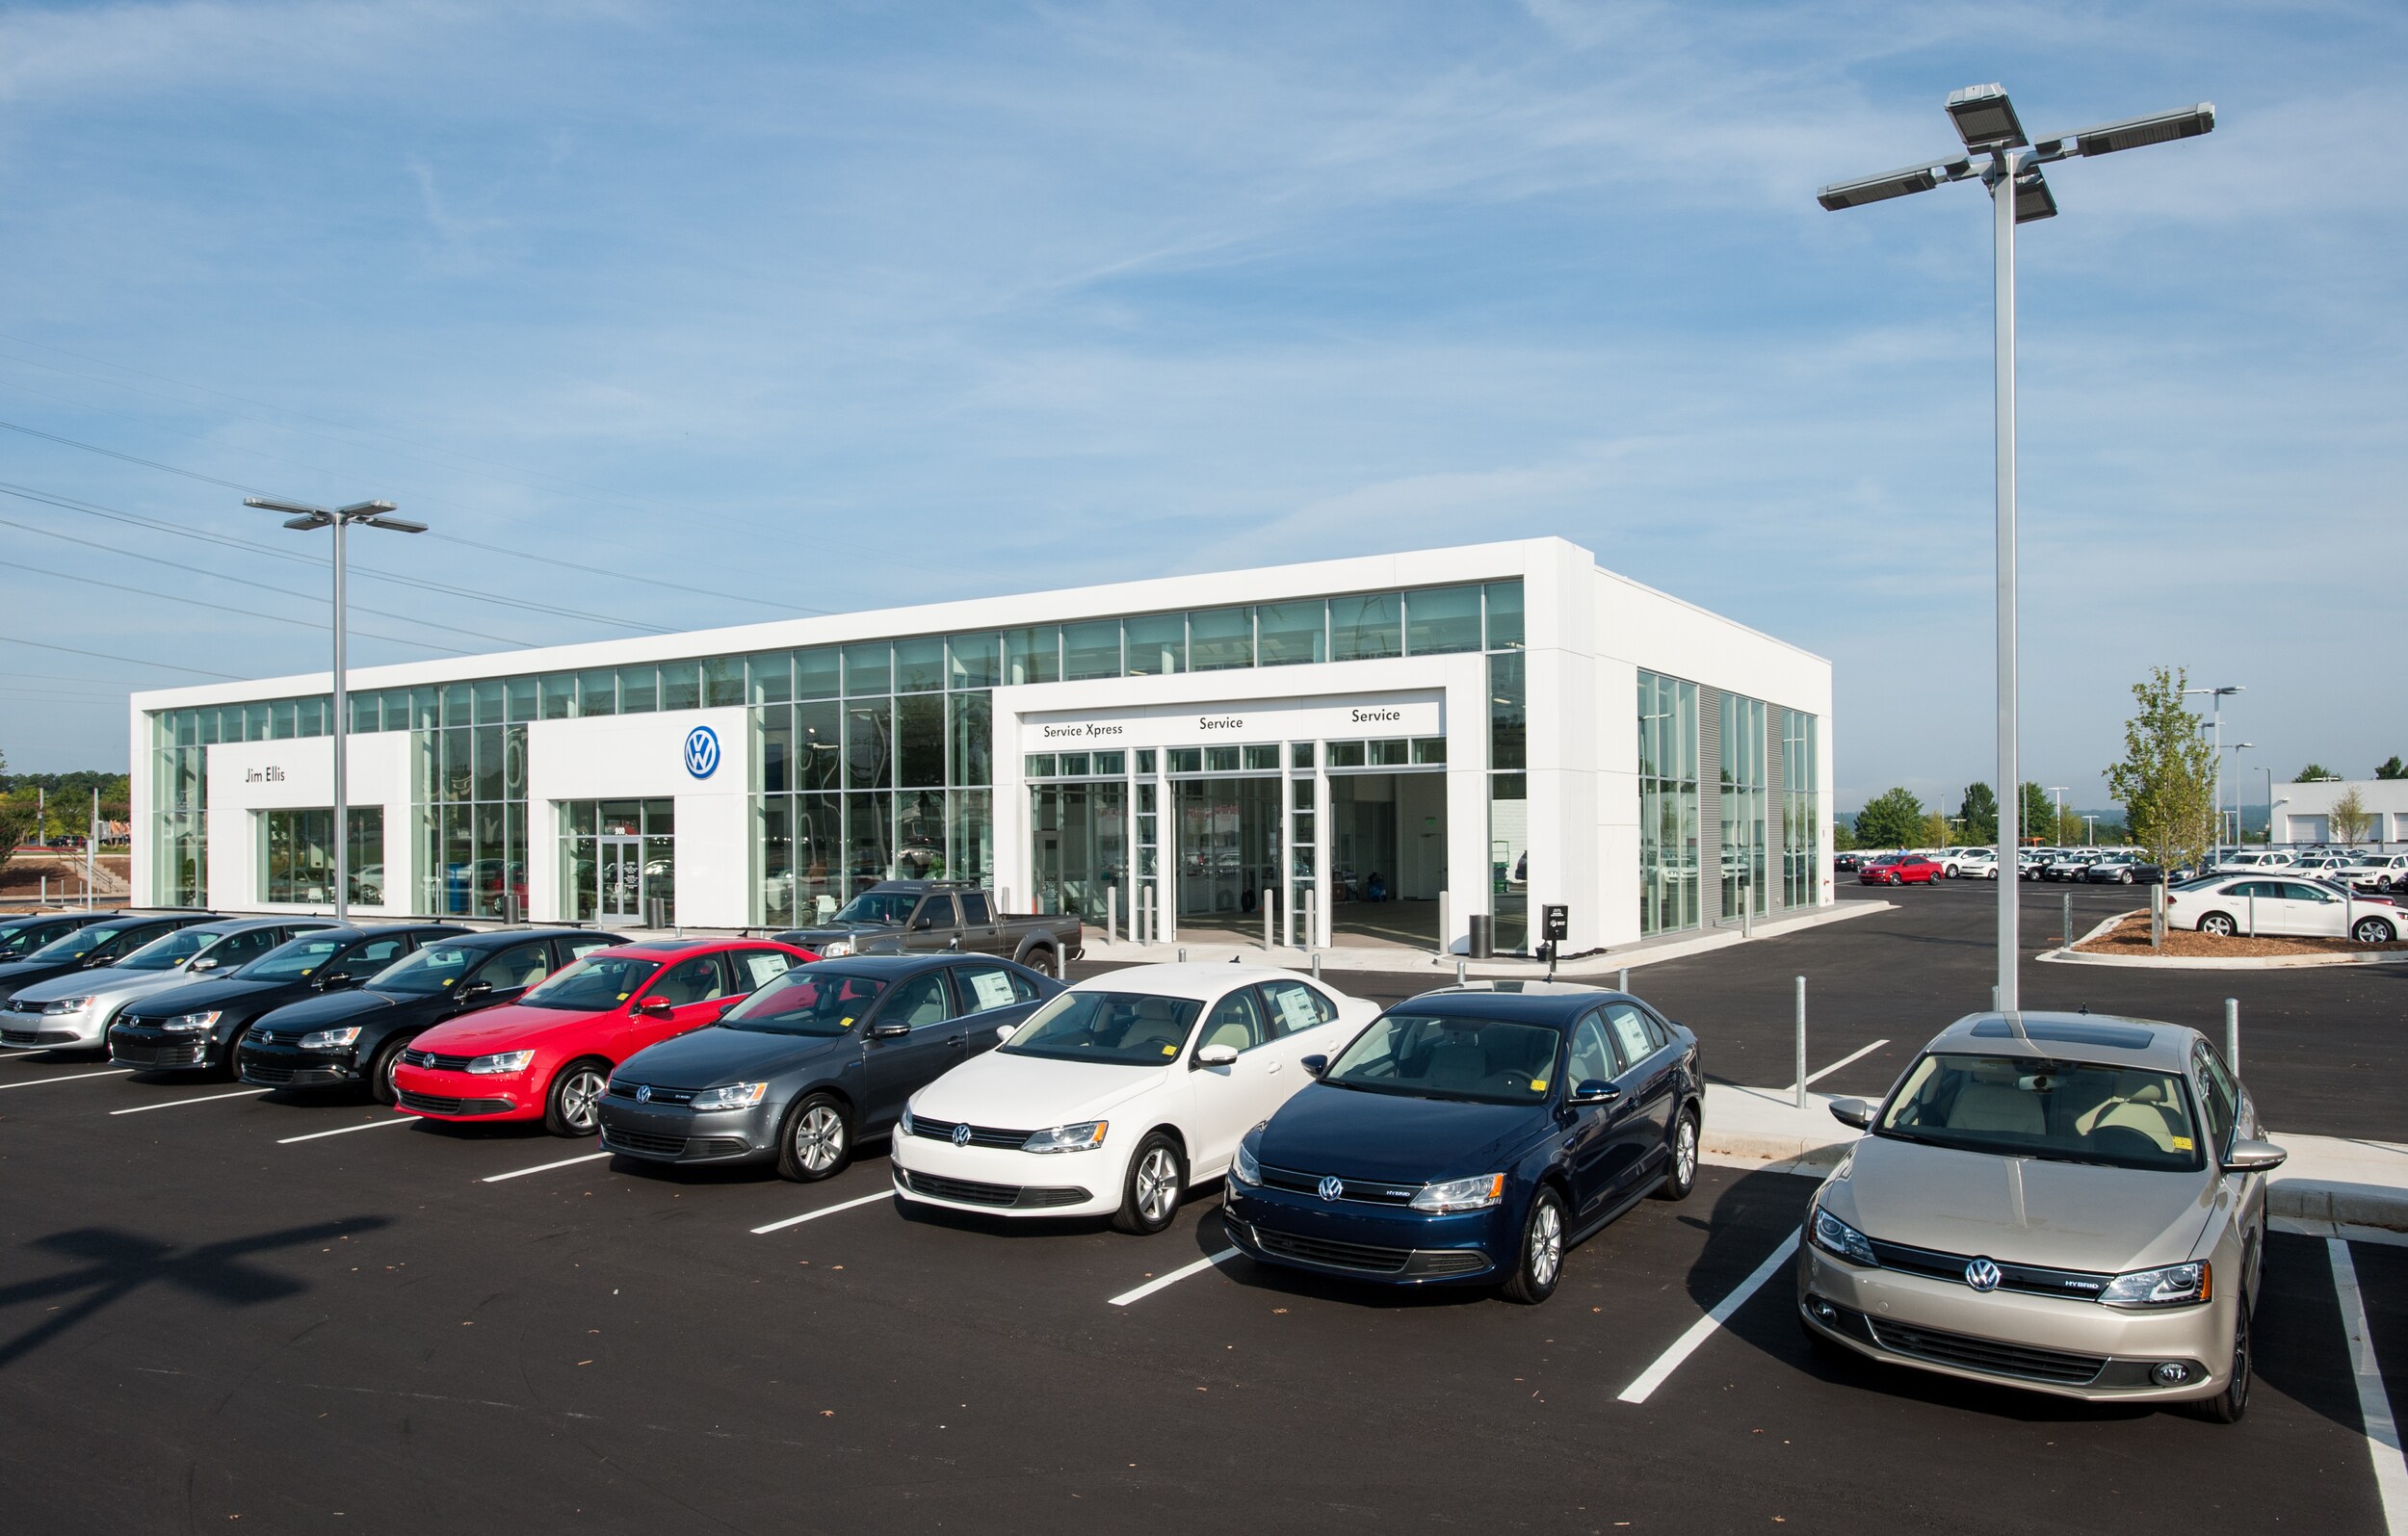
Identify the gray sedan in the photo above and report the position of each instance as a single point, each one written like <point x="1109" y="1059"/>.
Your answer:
<point x="2068" y="1203"/>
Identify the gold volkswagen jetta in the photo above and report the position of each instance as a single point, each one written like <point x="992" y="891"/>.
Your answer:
<point x="2069" y="1203"/>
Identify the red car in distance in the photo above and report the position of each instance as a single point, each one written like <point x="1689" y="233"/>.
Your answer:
<point x="549" y="1055"/>
<point x="1900" y="868"/>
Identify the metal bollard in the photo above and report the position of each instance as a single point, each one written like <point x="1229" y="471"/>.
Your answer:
<point x="1269" y="898"/>
<point x="2232" y="1035"/>
<point x="1623" y="984"/>
<point x="1462" y="972"/>
<point x="1183" y="955"/>
<point x="1801" y="1042"/>
<point x="1316" y="965"/>
<point x="1112" y="914"/>
<point x="1446" y="923"/>
<point x="2065" y="924"/>
<point x="1747" y="910"/>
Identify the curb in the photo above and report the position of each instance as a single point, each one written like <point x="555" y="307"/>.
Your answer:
<point x="2188" y="962"/>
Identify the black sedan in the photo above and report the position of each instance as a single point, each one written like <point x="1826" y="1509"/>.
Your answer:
<point x="86" y="945"/>
<point x="814" y="1061"/>
<point x="1471" y="1136"/>
<point x="198" y="1028"/>
<point x="21" y="936"/>
<point x="356" y="1036"/>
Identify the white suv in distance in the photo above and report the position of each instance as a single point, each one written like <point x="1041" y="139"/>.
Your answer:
<point x="2383" y="871"/>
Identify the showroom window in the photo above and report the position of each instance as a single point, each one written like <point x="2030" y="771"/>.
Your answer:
<point x="1801" y="809"/>
<point x="296" y="856"/>
<point x="1742" y="801"/>
<point x="1667" y="804"/>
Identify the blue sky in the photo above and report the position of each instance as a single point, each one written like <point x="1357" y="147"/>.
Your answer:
<point x="830" y="306"/>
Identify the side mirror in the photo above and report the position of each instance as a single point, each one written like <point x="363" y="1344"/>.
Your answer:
<point x="2254" y="1157"/>
<point x="1216" y="1056"/>
<point x="1315" y="1065"/>
<point x="729" y="1006"/>
<point x="655" y="1008"/>
<point x="1593" y="1090"/>
<point x="204" y="963"/>
<point x="336" y="981"/>
<point x="889" y="1030"/>
<point x="1005" y="1031"/>
<point x="473" y="992"/>
<point x="1852" y="1112"/>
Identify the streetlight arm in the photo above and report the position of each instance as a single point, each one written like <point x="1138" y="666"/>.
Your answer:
<point x="269" y="504"/>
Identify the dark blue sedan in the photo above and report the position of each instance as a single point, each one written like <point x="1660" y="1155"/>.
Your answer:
<point x="1472" y="1136"/>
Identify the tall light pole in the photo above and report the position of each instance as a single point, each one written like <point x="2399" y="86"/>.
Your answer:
<point x="304" y="517"/>
<point x="2218" y="696"/>
<point x="2237" y="746"/>
<point x="2058" y="822"/>
<point x="2009" y="164"/>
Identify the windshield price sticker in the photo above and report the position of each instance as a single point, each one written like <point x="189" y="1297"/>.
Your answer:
<point x="994" y="990"/>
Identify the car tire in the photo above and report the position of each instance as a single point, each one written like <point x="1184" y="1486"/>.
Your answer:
<point x="1683" y="1176"/>
<point x="1893" y="878"/>
<point x="816" y="1140"/>
<point x="229" y="1066"/>
<point x="572" y="1106"/>
<point x="2219" y="923"/>
<point x="380" y="1071"/>
<point x="2227" y="1406"/>
<point x="2372" y="931"/>
<point x="2128" y="876"/>
<point x="1538" y="1264"/>
<point x="1151" y="1189"/>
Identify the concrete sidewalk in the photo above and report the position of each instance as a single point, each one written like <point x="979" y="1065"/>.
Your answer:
<point x="2331" y="1187"/>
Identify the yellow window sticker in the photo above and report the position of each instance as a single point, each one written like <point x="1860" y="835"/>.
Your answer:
<point x="1171" y="1050"/>
<point x="1538" y="1085"/>
<point x="845" y="1022"/>
<point x="2182" y="1143"/>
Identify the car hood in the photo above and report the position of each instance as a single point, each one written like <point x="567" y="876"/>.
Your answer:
<point x="194" y="997"/>
<point x="995" y="1089"/>
<point x="106" y="983"/>
<point x="329" y="1009"/>
<point x="511" y="1026"/>
<point x="1359" y="1134"/>
<point x="2063" y="1216"/>
<point x="714" y="1054"/>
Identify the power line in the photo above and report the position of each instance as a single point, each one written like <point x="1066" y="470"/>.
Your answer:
<point x="245" y="613"/>
<point x="130" y="661"/>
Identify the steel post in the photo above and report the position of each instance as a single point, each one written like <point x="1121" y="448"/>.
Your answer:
<point x="2010" y="782"/>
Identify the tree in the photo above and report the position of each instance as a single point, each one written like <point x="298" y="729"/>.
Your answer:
<point x="1935" y="832"/>
<point x="2317" y="773"/>
<point x="2350" y="817"/>
<point x="2038" y="819"/>
<point x="15" y="823"/>
<point x="1978" y="812"/>
<point x="2065" y="828"/>
<point x="1893" y="818"/>
<point x="2391" y="768"/>
<point x="2166" y="780"/>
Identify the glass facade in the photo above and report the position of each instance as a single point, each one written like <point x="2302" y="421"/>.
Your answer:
<point x="1667" y="804"/>
<point x="468" y="788"/>
<point x="1801" y="808"/>
<point x="1742" y="801"/>
<point x="296" y="856"/>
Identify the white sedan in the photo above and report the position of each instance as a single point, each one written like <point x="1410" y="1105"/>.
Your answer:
<point x="1120" y="1093"/>
<point x="1971" y="864"/>
<point x="2251" y="905"/>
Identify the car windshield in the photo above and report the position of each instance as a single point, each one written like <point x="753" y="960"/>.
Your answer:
<point x="1124" y="1029"/>
<point x="593" y="984"/>
<point x="436" y="968"/>
<point x="1437" y="1056"/>
<point x="171" y="949"/>
<point x="2060" y="1112"/>
<point x="76" y="944"/>
<point x="807" y="1001"/>
<point x="878" y="906"/>
<point x="290" y="962"/>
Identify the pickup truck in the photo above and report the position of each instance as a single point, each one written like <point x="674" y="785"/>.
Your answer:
<point x="912" y="917"/>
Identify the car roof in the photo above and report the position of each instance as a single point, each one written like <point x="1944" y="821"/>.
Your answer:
<point x="254" y="925"/>
<point x="903" y="964"/>
<point x="1193" y="979"/>
<point x="1520" y="1002"/>
<point x="662" y="948"/>
<point x="2108" y="1038"/>
<point x="499" y="938"/>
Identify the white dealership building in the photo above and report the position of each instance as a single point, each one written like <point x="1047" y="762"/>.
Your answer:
<point x="1382" y="749"/>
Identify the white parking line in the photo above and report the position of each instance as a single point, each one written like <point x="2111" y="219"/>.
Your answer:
<point x="1655" y="1375"/>
<point x="206" y="1098"/>
<point x="19" y="1056"/>
<point x="1813" y="1078"/>
<point x="547" y="1167"/>
<point x="824" y="1211"/>
<point x="36" y="1082"/>
<point x="344" y="1130"/>
<point x="1174" y="1277"/>
<point x="2374" y="1404"/>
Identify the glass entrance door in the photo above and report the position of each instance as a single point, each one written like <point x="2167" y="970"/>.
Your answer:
<point x="1228" y="851"/>
<point x="622" y="877"/>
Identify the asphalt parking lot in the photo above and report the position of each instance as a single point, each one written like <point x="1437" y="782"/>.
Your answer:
<point x="221" y="1309"/>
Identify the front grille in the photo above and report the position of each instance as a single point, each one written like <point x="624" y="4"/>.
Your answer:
<point x="1360" y="1258"/>
<point x="181" y="1054"/>
<point x="436" y="1103"/>
<point x="1440" y="1263"/>
<point x="252" y="1073"/>
<point x="659" y="1095"/>
<point x="441" y="1063"/>
<point x="997" y="1196"/>
<point x="642" y="1141"/>
<point x="1987" y="1355"/>
<point x="2032" y="1280"/>
<point x="980" y="1136"/>
<point x="37" y="1037"/>
<point x="1369" y="1192"/>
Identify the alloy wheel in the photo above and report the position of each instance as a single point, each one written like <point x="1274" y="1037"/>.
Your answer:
<point x="579" y="1096"/>
<point x="1546" y="1254"/>
<point x="2373" y="930"/>
<point x="1684" y="1150"/>
<point x="1158" y="1185"/>
<point x="820" y="1137"/>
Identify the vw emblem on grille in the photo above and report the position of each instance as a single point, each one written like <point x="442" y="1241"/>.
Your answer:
<point x="643" y="1094"/>
<point x="1331" y="1186"/>
<point x="1982" y="1274"/>
<point x="961" y="1136"/>
<point x="703" y="752"/>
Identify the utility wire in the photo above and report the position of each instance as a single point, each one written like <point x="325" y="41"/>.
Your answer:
<point x="245" y="613"/>
<point x="130" y="661"/>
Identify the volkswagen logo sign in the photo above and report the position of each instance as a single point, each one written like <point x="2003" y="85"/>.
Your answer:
<point x="1982" y="1274"/>
<point x="703" y="752"/>
<point x="1331" y="1186"/>
<point x="643" y="1094"/>
<point x="961" y="1136"/>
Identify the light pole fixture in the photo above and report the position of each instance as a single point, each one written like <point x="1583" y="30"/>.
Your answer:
<point x="1999" y="154"/>
<point x="305" y="518"/>
<point x="2216" y="696"/>
<point x="2059" y="819"/>
<point x="2237" y="746"/>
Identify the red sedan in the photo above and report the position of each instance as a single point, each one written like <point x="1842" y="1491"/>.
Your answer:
<point x="1900" y="868"/>
<point x="549" y="1055"/>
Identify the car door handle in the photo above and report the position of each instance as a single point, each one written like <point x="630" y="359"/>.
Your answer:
<point x="1277" y="1066"/>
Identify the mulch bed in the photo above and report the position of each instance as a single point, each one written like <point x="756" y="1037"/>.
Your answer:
<point x="2131" y="937"/>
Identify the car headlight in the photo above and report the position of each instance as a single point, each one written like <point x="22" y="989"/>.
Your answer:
<point x="501" y="1061"/>
<point x="902" y="1127"/>
<point x="733" y="1096"/>
<point x="2174" y="1286"/>
<point x="1082" y="1138"/>
<point x="59" y="1005"/>
<point x="834" y="949"/>
<point x="1461" y="1194"/>
<point x="190" y="1023"/>
<point x="1244" y="1168"/>
<point x="1835" y="1236"/>
<point x="328" y="1039"/>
